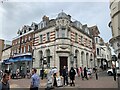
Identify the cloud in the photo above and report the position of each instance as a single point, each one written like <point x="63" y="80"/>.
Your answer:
<point x="2" y="10"/>
<point x="58" y="1"/>
<point x="19" y="13"/>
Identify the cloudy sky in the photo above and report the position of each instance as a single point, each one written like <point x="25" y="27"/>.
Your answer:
<point x="13" y="15"/>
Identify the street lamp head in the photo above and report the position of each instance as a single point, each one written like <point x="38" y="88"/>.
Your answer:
<point x="119" y="56"/>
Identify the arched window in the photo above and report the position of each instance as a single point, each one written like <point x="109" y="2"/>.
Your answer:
<point x="82" y="58"/>
<point x="48" y="57"/>
<point x="87" y="61"/>
<point x="41" y="59"/>
<point x="98" y="51"/>
<point x="76" y="58"/>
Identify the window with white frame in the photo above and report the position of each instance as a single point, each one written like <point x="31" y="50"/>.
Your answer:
<point x="76" y="37"/>
<point x="41" y="38"/>
<point x="57" y="33"/>
<point x="81" y="39"/>
<point x="24" y="49"/>
<point x="29" y="48"/>
<point x="29" y="37"/>
<point x="63" y="32"/>
<point x="48" y="36"/>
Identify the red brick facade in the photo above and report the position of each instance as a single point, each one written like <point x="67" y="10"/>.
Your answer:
<point x="22" y="44"/>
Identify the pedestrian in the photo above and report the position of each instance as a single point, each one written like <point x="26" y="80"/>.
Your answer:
<point x="96" y="73"/>
<point x="55" y="80"/>
<point x="85" y="73"/>
<point x="81" y="73"/>
<point x="49" y="80"/>
<point x="72" y="74"/>
<point x="67" y="75"/>
<point x="77" y="70"/>
<point x="42" y="73"/>
<point x="45" y="73"/>
<point x="90" y="73"/>
<point x="114" y="72"/>
<point x="35" y="80"/>
<point x="4" y="84"/>
<point x="17" y="73"/>
<point x="64" y="74"/>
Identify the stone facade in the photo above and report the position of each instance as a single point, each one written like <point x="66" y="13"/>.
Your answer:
<point x="115" y="25"/>
<point x="63" y="43"/>
<point x="1" y="47"/>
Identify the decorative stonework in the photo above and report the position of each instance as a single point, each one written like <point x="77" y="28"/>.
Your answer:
<point x="63" y="47"/>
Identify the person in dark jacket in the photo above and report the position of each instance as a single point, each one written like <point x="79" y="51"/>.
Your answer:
<point x="114" y="73"/>
<point x="72" y="74"/>
<point x="65" y="75"/>
<point x="85" y="73"/>
<point x="55" y="81"/>
<point x="42" y="73"/>
<point x="4" y="84"/>
<point x="96" y="73"/>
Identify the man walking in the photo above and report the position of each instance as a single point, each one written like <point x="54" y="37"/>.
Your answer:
<point x="96" y="73"/>
<point x="4" y="84"/>
<point x="64" y="74"/>
<point x="42" y="73"/>
<point x="85" y="73"/>
<point x="35" y="80"/>
<point x="72" y="74"/>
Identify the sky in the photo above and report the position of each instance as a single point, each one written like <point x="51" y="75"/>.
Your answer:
<point x="14" y="14"/>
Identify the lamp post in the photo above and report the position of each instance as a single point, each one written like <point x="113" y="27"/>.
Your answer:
<point x="75" y="57"/>
<point x="118" y="72"/>
<point x="48" y="61"/>
<point x="41" y="64"/>
<point x="91" y="62"/>
<point x="72" y="59"/>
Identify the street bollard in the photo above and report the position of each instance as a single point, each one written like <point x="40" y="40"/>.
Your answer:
<point x="118" y="74"/>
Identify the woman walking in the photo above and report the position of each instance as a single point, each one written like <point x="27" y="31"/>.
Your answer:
<point x="81" y="73"/>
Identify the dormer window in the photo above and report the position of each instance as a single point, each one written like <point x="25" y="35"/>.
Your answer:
<point x="20" y="33"/>
<point x="36" y="27"/>
<point x="30" y="29"/>
<point x="87" y="30"/>
<point x="24" y="31"/>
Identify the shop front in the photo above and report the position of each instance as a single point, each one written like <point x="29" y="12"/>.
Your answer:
<point x="23" y="63"/>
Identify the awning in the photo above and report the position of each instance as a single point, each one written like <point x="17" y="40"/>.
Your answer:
<point x="12" y="60"/>
<point x="19" y="58"/>
<point x="6" y="61"/>
<point x="25" y="58"/>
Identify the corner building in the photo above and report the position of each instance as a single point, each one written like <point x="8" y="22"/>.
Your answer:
<point x="62" y="42"/>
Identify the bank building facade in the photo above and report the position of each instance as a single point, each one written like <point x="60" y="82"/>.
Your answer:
<point x="62" y="42"/>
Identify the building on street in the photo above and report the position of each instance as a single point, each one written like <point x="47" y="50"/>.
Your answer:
<point x="115" y="26"/>
<point x="5" y="58"/>
<point x="21" y="51"/>
<point x="102" y="50"/>
<point x="62" y="42"/>
<point x="4" y="44"/>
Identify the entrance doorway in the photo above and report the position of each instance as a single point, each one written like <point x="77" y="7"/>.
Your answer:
<point x="63" y="62"/>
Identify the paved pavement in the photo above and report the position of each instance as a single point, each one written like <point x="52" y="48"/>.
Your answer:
<point x="104" y="81"/>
